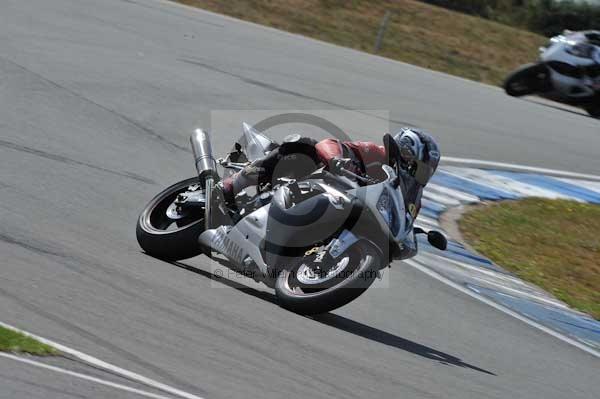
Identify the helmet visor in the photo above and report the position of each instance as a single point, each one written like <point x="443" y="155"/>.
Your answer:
<point x="426" y="169"/>
<point x="423" y="172"/>
<point x="407" y="154"/>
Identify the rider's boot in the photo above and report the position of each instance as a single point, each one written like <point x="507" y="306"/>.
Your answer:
<point x="221" y="205"/>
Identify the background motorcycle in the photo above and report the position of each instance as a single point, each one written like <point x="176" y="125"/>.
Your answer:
<point x="319" y="242"/>
<point x="568" y="72"/>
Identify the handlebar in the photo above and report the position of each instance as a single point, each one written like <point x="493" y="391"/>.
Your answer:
<point x="338" y="167"/>
<point x="365" y="180"/>
<point x="232" y="165"/>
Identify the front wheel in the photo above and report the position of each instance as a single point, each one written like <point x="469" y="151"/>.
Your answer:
<point x="168" y="235"/>
<point x="526" y="80"/>
<point x="311" y="287"/>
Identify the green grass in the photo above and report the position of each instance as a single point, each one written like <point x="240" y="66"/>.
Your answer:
<point x="12" y="341"/>
<point x="418" y="33"/>
<point x="554" y="244"/>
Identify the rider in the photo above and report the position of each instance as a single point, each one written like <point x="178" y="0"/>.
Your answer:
<point x="416" y="151"/>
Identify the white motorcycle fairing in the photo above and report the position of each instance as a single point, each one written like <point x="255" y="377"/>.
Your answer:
<point x="261" y="240"/>
<point x="319" y="242"/>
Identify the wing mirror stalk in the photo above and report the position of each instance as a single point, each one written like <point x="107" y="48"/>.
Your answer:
<point x="435" y="238"/>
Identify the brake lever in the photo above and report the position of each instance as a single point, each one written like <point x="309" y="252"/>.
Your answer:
<point x="232" y="165"/>
<point x="367" y="181"/>
<point x="340" y="169"/>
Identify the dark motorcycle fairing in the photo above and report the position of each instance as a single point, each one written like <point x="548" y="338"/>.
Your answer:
<point x="292" y="230"/>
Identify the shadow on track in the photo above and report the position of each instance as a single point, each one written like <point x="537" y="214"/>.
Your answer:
<point x="344" y="324"/>
<point x="558" y="106"/>
<point x="377" y="335"/>
<point x="265" y="296"/>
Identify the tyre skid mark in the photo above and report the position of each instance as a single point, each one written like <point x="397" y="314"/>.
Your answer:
<point x="70" y="161"/>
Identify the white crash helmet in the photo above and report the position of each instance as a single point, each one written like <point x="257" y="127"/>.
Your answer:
<point x="410" y="145"/>
<point x="418" y="153"/>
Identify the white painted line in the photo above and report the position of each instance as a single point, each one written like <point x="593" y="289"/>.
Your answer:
<point x="440" y="199"/>
<point x="500" y="282"/>
<point x="522" y="294"/>
<point x="426" y="226"/>
<point x="84" y="376"/>
<point x="502" y="308"/>
<point x="477" y="269"/>
<point x="449" y="192"/>
<point x="520" y="168"/>
<point x="593" y="186"/>
<point x="422" y="219"/>
<point x="106" y="366"/>
<point x="489" y="178"/>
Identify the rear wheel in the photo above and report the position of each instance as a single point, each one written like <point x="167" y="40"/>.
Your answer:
<point x="526" y="80"/>
<point x="311" y="287"/>
<point x="166" y="233"/>
<point x="593" y="110"/>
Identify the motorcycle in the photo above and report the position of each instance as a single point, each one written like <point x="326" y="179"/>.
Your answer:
<point x="319" y="241"/>
<point x="568" y="72"/>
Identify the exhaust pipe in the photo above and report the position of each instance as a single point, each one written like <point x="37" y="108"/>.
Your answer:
<point x="207" y="170"/>
<point x="203" y="157"/>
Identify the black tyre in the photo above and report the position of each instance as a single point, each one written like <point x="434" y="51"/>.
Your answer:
<point x="330" y="292"/>
<point x="593" y="110"/>
<point x="166" y="238"/>
<point x="526" y="80"/>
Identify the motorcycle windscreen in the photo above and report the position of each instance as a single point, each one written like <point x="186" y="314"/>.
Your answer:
<point x="256" y="145"/>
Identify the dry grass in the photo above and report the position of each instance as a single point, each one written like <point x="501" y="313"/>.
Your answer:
<point x="552" y="243"/>
<point x="418" y="33"/>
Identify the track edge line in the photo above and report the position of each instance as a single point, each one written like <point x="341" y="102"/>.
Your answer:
<point x="105" y="365"/>
<point x="431" y="273"/>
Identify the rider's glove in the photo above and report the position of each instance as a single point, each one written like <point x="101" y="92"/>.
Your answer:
<point x="252" y="171"/>
<point x="338" y="164"/>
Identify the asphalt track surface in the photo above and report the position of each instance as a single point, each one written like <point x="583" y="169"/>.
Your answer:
<point x="97" y="100"/>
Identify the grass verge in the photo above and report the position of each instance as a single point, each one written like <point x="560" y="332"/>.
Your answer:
<point x="12" y="341"/>
<point x="554" y="244"/>
<point x="418" y="33"/>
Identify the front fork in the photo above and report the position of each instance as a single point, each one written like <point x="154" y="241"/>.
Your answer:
<point x="208" y="204"/>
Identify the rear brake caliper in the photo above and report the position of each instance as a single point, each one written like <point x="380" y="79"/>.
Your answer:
<point x="194" y="196"/>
